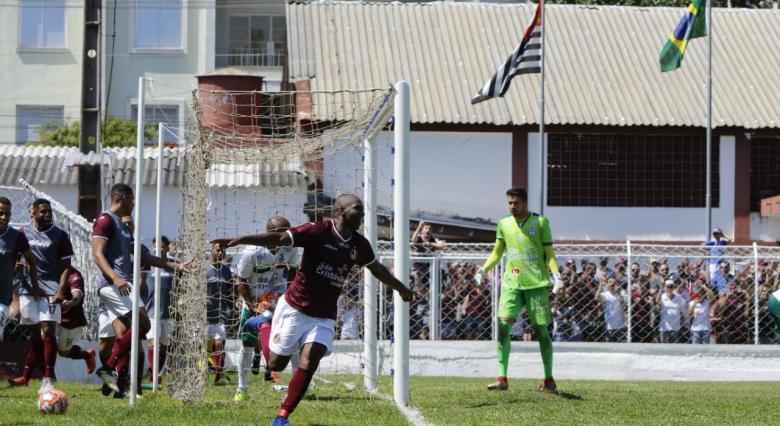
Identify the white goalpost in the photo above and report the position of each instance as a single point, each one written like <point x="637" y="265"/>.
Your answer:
<point x="252" y="155"/>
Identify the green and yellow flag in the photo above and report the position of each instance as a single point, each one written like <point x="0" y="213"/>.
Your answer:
<point x="692" y="25"/>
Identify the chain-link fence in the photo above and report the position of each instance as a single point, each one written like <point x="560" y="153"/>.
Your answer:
<point x="80" y="232"/>
<point x="612" y="293"/>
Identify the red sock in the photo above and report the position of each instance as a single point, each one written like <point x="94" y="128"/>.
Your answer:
<point x="34" y="352"/>
<point x="265" y="335"/>
<point x="150" y="358"/>
<point x="120" y="349"/>
<point x="77" y="353"/>
<point x="49" y="355"/>
<point x="219" y="360"/>
<point x="297" y="388"/>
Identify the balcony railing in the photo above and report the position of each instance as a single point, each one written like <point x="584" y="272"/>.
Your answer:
<point x="249" y="57"/>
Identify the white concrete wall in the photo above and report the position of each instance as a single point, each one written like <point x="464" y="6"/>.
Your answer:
<point x="615" y="223"/>
<point x="452" y="173"/>
<point x="50" y="77"/>
<point x="764" y="229"/>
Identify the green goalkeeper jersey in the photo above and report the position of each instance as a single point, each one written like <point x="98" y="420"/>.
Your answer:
<point x="525" y="241"/>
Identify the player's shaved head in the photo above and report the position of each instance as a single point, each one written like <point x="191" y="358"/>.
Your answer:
<point x="345" y="200"/>
<point x="277" y="224"/>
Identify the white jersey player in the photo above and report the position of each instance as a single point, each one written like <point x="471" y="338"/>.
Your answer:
<point x="262" y="274"/>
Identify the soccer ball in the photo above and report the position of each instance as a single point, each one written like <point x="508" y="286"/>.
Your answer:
<point x="53" y="401"/>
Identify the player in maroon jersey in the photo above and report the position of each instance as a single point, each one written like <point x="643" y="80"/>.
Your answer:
<point x="305" y="315"/>
<point x="73" y="321"/>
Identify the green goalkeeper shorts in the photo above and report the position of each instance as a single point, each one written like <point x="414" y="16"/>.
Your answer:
<point x="248" y="337"/>
<point x="536" y="302"/>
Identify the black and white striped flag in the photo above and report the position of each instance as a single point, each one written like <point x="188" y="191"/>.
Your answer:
<point x="526" y="59"/>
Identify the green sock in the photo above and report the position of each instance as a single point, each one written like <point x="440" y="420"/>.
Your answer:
<point x="546" y="348"/>
<point x="504" y="341"/>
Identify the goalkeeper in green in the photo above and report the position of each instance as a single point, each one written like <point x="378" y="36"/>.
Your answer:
<point x="527" y="239"/>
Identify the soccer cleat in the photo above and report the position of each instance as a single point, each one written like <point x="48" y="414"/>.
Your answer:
<point x="90" y="361"/>
<point x="108" y="377"/>
<point x="548" y="385"/>
<point x="105" y="390"/>
<point x="256" y="365"/>
<point x="500" y="384"/>
<point x="18" y="381"/>
<point x="280" y="421"/>
<point x="270" y="376"/>
<point x="241" y="396"/>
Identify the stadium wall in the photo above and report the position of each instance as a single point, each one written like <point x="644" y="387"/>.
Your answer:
<point x="573" y="361"/>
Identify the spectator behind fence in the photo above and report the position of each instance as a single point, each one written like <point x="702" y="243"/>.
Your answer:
<point x="718" y="241"/>
<point x="672" y="313"/>
<point x="424" y="243"/>
<point x="642" y="314"/>
<point x="732" y="314"/>
<point x="699" y="311"/>
<point x="612" y="304"/>
<point x="603" y="270"/>
<point x="722" y="278"/>
<point x="349" y="318"/>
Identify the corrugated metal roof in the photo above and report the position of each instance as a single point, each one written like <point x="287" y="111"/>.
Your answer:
<point x="601" y="65"/>
<point x="54" y="166"/>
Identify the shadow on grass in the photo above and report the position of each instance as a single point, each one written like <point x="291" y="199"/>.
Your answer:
<point x="569" y="396"/>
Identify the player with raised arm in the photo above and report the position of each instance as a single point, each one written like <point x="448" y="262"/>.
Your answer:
<point x="73" y="321"/>
<point x="305" y="317"/>
<point x="527" y="239"/>
<point x="52" y="250"/>
<point x="112" y="245"/>
<point x="220" y="292"/>
<point x="261" y="279"/>
<point x="12" y="244"/>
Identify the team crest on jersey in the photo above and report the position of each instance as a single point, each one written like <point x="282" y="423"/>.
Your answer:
<point x="532" y="231"/>
<point x="353" y="253"/>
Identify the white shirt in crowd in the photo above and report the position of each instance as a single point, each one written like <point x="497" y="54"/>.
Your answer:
<point x="349" y="324"/>
<point x="701" y="316"/>
<point x="672" y="312"/>
<point x="613" y="312"/>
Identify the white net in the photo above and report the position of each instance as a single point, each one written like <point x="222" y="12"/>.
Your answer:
<point x="251" y="156"/>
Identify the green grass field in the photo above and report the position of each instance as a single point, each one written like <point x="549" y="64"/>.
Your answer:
<point x="443" y="401"/>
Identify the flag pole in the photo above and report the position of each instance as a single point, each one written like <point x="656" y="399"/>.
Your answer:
<point x="708" y="197"/>
<point x="543" y="157"/>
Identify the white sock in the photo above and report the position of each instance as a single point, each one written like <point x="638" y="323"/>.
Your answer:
<point x="245" y="359"/>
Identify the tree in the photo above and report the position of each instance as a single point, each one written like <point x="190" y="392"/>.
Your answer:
<point x="115" y="131"/>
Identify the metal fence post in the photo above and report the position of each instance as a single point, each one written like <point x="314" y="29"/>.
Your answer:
<point x="756" y="324"/>
<point x="435" y="299"/>
<point x="628" y="290"/>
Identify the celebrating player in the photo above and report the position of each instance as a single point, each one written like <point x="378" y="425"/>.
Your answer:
<point x="112" y="243"/>
<point x="220" y="289"/>
<point x="73" y="321"/>
<point x="12" y="244"/>
<point x="52" y="250"/>
<point x="527" y="239"/>
<point x="305" y="316"/>
<point x="261" y="279"/>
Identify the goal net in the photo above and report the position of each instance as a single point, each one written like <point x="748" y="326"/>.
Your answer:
<point x="251" y="156"/>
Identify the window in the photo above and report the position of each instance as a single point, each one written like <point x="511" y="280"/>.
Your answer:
<point x="257" y="40"/>
<point x="638" y="170"/>
<point x="155" y="114"/>
<point x="158" y="24"/>
<point x="764" y="170"/>
<point x="30" y="120"/>
<point x="42" y="24"/>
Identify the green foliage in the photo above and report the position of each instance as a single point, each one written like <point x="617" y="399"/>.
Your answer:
<point x="751" y="4"/>
<point x="116" y="133"/>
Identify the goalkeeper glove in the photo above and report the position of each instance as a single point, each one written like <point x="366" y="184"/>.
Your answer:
<point x="557" y="283"/>
<point x="480" y="276"/>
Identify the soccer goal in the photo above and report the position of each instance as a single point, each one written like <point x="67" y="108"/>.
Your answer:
<point x="254" y="155"/>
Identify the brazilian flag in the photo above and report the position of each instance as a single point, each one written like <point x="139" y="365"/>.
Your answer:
<point x="692" y="25"/>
